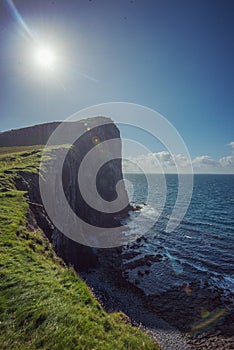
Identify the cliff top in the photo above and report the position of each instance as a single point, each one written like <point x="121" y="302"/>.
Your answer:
<point x="39" y="134"/>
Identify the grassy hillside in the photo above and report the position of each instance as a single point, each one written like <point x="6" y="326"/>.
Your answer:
<point x="43" y="303"/>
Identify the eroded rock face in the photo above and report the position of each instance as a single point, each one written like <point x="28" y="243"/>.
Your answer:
<point x="80" y="256"/>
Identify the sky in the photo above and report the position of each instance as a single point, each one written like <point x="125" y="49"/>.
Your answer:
<point x="174" y="56"/>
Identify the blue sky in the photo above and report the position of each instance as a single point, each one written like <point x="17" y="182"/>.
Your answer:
<point x="173" y="56"/>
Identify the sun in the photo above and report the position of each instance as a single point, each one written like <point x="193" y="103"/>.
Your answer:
<point x="45" y="57"/>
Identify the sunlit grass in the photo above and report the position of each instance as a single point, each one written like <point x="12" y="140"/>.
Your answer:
<point x="43" y="303"/>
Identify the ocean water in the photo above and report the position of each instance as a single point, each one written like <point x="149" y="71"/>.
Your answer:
<point x="201" y="248"/>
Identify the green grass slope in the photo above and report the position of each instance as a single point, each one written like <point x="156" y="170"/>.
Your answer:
<point x="43" y="303"/>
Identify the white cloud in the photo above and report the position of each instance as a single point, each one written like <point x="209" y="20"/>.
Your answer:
<point x="182" y="160"/>
<point x="205" y="161"/>
<point x="227" y="161"/>
<point x="156" y="162"/>
<point x="164" y="161"/>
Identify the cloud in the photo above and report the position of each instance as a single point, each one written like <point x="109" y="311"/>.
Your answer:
<point x="165" y="162"/>
<point x="205" y="161"/>
<point x="227" y="161"/>
<point x="156" y="162"/>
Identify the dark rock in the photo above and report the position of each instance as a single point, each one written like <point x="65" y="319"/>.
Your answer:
<point x="146" y="260"/>
<point x="129" y="255"/>
<point x="140" y="273"/>
<point x="125" y="274"/>
<point x="156" y="258"/>
<point x="136" y="208"/>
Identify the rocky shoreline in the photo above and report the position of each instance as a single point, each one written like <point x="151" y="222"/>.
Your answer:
<point x="115" y="294"/>
<point x="186" y="317"/>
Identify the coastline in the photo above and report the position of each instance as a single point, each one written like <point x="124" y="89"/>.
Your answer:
<point x="173" y="319"/>
<point x="115" y="294"/>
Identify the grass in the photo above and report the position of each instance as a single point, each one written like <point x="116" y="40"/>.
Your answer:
<point x="18" y="149"/>
<point x="43" y="303"/>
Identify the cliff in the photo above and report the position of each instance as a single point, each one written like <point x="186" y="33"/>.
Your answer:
<point x="33" y="135"/>
<point x="39" y="134"/>
<point x="43" y="302"/>
<point x="80" y="256"/>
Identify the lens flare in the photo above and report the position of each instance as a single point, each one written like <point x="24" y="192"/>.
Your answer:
<point x="15" y="13"/>
<point x="211" y="319"/>
<point x="96" y="140"/>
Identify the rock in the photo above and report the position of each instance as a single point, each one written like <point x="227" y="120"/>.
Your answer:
<point x="146" y="260"/>
<point x="156" y="258"/>
<point x="129" y="255"/>
<point x="33" y="135"/>
<point x="140" y="273"/>
<point x="82" y="257"/>
<point x="125" y="274"/>
<point x="136" y="208"/>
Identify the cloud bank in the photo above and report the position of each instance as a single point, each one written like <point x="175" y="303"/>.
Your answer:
<point x="164" y="161"/>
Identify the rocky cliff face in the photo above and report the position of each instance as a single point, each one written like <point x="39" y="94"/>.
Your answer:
<point x="81" y="256"/>
<point x="33" y="135"/>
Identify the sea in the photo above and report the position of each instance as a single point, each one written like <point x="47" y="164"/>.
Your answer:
<point x="200" y="249"/>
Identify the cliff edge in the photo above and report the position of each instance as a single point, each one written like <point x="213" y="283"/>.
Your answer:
<point x="43" y="302"/>
<point x="94" y="132"/>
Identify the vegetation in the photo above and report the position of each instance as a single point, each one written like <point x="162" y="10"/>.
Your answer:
<point x="43" y="303"/>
